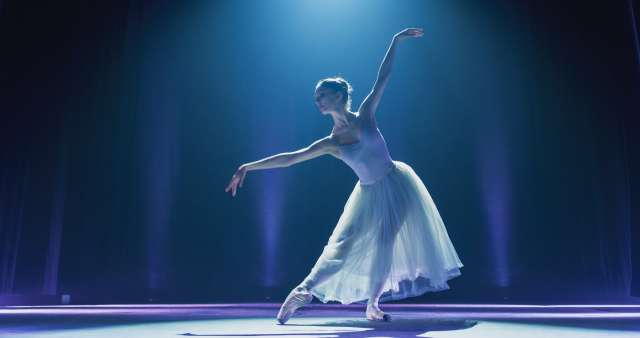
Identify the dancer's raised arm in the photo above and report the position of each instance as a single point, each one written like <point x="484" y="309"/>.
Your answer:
<point x="370" y="103"/>
<point x="320" y="147"/>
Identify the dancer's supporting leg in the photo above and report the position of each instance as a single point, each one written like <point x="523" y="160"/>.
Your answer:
<point x="380" y="269"/>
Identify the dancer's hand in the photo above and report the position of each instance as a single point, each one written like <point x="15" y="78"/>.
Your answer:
<point x="236" y="180"/>
<point x="409" y="32"/>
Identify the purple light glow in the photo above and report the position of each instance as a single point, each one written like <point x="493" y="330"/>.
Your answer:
<point x="270" y="215"/>
<point x="11" y="223"/>
<point x="269" y="140"/>
<point x="494" y="178"/>
<point x="50" y="285"/>
<point x="159" y="153"/>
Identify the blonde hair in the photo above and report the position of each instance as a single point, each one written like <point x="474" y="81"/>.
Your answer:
<point x="339" y="85"/>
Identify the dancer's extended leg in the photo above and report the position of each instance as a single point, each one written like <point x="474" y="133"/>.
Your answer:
<point x="330" y="262"/>
<point x="324" y="268"/>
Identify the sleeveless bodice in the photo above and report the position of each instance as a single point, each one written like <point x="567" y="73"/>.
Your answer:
<point x="369" y="158"/>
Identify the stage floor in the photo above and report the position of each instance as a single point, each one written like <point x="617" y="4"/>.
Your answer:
<point x="320" y="320"/>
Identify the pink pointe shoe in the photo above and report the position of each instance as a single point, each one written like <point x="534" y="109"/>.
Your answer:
<point x="297" y="298"/>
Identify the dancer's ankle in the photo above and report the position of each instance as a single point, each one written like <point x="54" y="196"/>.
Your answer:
<point x="372" y="303"/>
<point x="301" y="288"/>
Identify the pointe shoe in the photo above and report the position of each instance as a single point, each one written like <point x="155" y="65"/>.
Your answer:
<point x="375" y="314"/>
<point x="297" y="297"/>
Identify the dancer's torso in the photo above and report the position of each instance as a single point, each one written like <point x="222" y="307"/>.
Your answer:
<point x="369" y="157"/>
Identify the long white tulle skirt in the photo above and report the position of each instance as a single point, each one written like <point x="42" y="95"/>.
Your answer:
<point x="389" y="233"/>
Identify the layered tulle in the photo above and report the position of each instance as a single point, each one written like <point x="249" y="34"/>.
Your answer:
<point x="389" y="233"/>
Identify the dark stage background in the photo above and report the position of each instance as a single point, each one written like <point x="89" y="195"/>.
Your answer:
<point x="122" y="122"/>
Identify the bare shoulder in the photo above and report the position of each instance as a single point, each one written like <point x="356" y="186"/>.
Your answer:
<point x="366" y="119"/>
<point x="327" y="145"/>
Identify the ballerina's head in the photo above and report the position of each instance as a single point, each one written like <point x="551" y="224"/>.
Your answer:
<point x="333" y="94"/>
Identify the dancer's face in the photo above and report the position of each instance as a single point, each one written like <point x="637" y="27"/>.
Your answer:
<point x="327" y="100"/>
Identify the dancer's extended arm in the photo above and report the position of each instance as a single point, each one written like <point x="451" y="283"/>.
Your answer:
<point x="370" y="103"/>
<point x="318" y="148"/>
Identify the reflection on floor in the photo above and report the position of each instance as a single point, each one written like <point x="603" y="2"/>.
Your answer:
<point x="320" y="320"/>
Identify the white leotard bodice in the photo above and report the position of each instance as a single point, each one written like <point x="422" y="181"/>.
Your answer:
<point x="369" y="158"/>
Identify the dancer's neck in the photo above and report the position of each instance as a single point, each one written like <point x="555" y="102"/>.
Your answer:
<point x="342" y="119"/>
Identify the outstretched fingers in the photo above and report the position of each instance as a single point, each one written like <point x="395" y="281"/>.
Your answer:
<point x="232" y="185"/>
<point x="416" y="32"/>
<point x="411" y="32"/>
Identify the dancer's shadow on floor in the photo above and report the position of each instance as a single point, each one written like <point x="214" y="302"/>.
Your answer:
<point x="398" y="327"/>
<point x="409" y="327"/>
